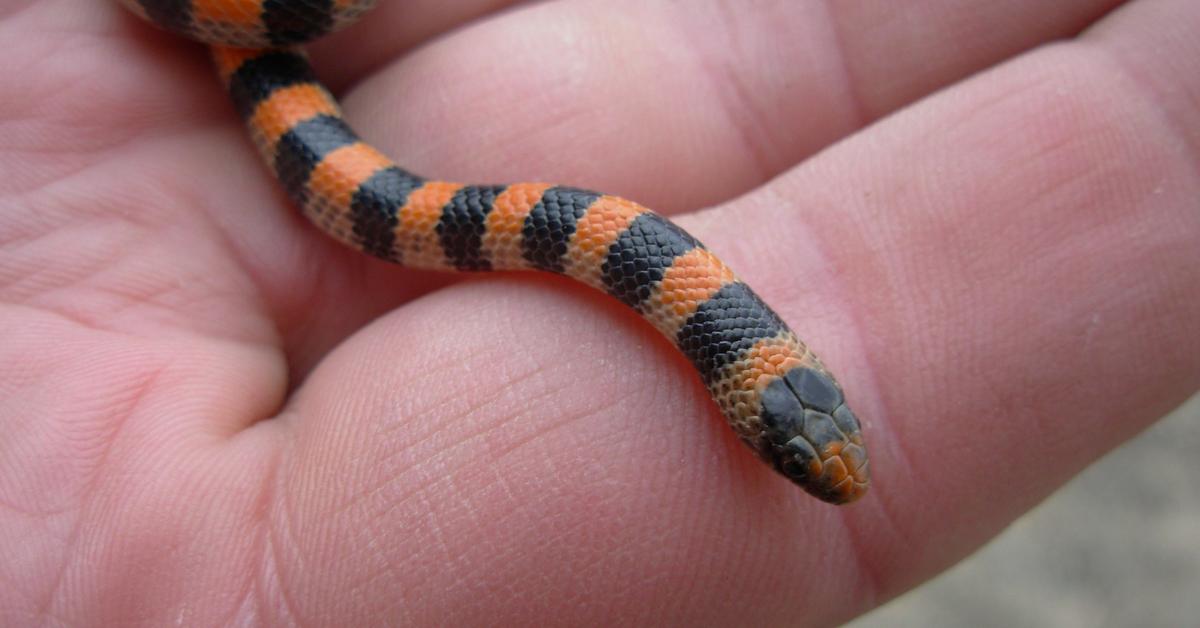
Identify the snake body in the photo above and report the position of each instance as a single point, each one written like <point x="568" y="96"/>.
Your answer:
<point x="772" y="389"/>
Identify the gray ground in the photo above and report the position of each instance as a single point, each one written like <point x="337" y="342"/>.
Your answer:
<point x="1118" y="546"/>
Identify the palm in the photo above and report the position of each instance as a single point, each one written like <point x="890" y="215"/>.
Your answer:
<point x="211" y="412"/>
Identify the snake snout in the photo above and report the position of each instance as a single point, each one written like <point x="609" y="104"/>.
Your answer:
<point x="814" y="438"/>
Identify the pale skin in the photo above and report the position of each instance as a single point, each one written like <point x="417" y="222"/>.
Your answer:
<point x="212" y="414"/>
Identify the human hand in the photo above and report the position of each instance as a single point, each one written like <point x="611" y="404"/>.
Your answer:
<point x="215" y="415"/>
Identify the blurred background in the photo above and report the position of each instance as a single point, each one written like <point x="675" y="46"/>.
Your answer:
<point x="1118" y="546"/>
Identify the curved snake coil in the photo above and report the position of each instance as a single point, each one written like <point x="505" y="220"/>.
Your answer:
<point x="773" y="391"/>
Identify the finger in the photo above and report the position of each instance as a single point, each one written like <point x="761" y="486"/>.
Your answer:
<point x="541" y="437"/>
<point x="390" y="30"/>
<point x="1025" y="281"/>
<point x="895" y="56"/>
<point x="637" y="100"/>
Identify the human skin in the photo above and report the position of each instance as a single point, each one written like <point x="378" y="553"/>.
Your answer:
<point x="983" y="216"/>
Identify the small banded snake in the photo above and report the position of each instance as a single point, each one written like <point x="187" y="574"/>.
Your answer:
<point x="772" y="389"/>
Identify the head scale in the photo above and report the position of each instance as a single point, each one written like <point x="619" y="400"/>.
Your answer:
<point x="812" y="437"/>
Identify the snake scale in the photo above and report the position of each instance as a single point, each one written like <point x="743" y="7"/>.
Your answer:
<point x="772" y="389"/>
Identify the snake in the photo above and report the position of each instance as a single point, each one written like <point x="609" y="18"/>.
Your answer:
<point x="772" y="389"/>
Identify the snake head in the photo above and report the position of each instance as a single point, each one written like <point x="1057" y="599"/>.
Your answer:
<point x="812" y="437"/>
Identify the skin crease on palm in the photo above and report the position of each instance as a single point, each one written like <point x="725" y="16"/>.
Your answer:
<point x="212" y="414"/>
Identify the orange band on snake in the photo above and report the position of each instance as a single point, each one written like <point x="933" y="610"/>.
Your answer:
<point x="771" y="388"/>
